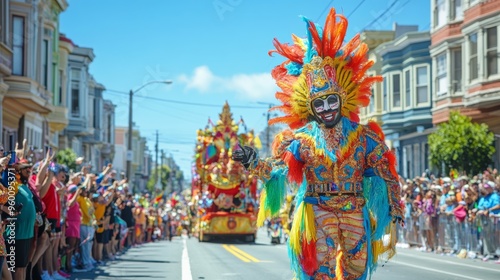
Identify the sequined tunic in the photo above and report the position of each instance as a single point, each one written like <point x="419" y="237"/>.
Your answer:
<point x="358" y="152"/>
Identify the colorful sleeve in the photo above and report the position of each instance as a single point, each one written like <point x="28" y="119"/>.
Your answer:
<point x="285" y="151"/>
<point x="382" y="161"/>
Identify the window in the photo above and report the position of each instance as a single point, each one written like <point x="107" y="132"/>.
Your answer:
<point x="372" y="100"/>
<point x="45" y="63"/>
<point x="422" y="85"/>
<point x="75" y="92"/>
<point x="416" y="159"/>
<point x="441" y="79"/>
<point x="386" y="100"/>
<point x="109" y="129"/>
<point x="491" y="51"/>
<point x="95" y="115"/>
<point x="456" y="70"/>
<point x="456" y="10"/>
<point x="473" y="62"/>
<point x="439" y="13"/>
<point x="396" y="90"/>
<point x="18" y="45"/>
<point x="75" y="99"/>
<point x="407" y="89"/>
<point x="61" y="84"/>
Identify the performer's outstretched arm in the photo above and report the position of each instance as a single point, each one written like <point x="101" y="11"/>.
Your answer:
<point x="382" y="161"/>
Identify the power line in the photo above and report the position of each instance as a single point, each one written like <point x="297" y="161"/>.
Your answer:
<point x="324" y="10"/>
<point x="359" y="5"/>
<point x="184" y="102"/>
<point x="381" y="15"/>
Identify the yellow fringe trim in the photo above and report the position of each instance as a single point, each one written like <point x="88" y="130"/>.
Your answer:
<point x="295" y="231"/>
<point x="310" y="226"/>
<point x="339" y="271"/>
<point x="263" y="212"/>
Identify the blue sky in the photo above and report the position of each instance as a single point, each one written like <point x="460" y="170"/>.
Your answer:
<point x="213" y="51"/>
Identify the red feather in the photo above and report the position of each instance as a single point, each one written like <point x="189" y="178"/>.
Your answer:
<point x="392" y="162"/>
<point x="292" y="52"/>
<point x="354" y="117"/>
<point x="328" y="31"/>
<point x="351" y="46"/>
<point x="308" y="259"/>
<point x="295" y="168"/>
<point x="377" y="129"/>
<point x="315" y="37"/>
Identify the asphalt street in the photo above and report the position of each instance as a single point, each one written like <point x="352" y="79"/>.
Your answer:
<point x="188" y="259"/>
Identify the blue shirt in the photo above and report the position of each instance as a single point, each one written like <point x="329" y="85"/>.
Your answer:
<point x="489" y="201"/>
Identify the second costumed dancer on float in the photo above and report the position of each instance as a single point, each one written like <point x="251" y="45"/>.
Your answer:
<point x="348" y="196"/>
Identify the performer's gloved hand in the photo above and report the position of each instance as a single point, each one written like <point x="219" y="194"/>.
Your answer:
<point x="246" y="155"/>
<point x="397" y="219"/>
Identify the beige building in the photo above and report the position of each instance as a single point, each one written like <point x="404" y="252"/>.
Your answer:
<point x="141" y="157"/>
<point x="373" y="39"/>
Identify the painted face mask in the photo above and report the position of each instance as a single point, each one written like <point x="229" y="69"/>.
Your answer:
<point x="326" y="109"/>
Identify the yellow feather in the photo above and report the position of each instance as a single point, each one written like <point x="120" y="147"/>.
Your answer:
<point x="309" y="223"/>
<point x="263" y="213"/>
<point x="295" y="231"/>
<point x="299" y="42"/>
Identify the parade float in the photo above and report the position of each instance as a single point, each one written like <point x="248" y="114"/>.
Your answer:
<point x="222" y="190"/>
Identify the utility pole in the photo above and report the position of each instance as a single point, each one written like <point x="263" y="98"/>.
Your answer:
<point x="161" y="170"/>
<point x="156" y="163"/>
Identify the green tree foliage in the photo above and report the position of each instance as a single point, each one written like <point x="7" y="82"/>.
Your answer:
<point x="165" y="176"/>
<point x="67" y="157"/>
<point x="461" y="144"/>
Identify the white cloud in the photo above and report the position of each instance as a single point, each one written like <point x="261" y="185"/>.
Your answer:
<point x="203" y="79"/>
<point x="254" y="87"/>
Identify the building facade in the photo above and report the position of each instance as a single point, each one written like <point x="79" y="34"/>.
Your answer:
<point x="406" y="94"/>
<point x="141" y="157"/>
<point x="30" y="52"/>
<point x="90" y="132"/>
<point x="464" y="50"/>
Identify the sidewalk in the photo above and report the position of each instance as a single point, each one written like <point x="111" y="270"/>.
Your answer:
<point x="148" y="261"/>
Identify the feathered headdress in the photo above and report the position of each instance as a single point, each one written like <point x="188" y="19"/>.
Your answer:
<point x="321" y="65"/>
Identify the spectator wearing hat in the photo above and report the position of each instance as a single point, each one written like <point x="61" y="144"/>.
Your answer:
<point x="25" y="223"/>
<point x="489" y="205"/>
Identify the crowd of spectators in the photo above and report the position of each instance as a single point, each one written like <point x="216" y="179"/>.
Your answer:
<point x="58" y="221"/>
<point x="462" y="212"/>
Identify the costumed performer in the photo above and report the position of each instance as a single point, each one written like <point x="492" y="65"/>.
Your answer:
<point x="348" y="196"/>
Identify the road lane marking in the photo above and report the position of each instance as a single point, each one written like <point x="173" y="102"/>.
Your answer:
<point x="435" y="270"/>
<point x="248" y="256"/>
<point x="186" y="267"/>
<point x="448" y="262"/>
<point x="236" y="254"/>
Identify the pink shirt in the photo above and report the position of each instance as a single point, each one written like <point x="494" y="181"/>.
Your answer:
<point x="73" y="214"/>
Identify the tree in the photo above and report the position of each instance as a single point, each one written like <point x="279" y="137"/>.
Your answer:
<point x="165" y="176"/>
<point x="461" y="144"/>
<point x="67" y="157"/>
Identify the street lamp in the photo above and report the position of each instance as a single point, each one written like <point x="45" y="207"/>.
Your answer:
<point x="129" y="144"/>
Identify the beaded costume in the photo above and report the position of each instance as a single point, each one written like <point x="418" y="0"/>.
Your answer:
<point x="348" y="195"/>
